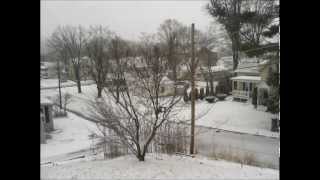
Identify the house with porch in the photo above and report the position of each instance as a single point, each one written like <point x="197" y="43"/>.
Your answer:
<point x="250" y="76"/>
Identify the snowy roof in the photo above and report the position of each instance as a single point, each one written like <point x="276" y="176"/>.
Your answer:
<point x="43" y="67"/>
<point x="45" y="101"/>
<point x="48" y="64"/>
<point x="263" y="85"/>
<point x="247" y="78"/>
<point x="218" y="68"/>
<point x="166" y="80"/>
<point x="226" y="62"/>
<point x="248" y="65"/>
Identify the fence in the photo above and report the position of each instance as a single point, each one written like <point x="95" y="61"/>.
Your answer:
<point x="175" y="138"/>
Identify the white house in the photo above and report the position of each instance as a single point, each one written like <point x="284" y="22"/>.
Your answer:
<point x="242" y="86"/>
<point x="251" y="75"/>
<point x="166" y="86"/>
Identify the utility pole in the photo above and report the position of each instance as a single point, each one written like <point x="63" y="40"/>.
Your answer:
<point x="59" y="83"/>
<point x="192" y="91"/>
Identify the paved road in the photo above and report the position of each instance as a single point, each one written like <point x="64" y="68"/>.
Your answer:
<point x="264" y="149"/>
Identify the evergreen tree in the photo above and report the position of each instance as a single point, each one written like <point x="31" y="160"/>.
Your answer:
<point x="201" y="95"/>
<point x="207" y="90"/>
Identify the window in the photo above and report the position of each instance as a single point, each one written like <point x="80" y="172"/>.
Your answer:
<point x="235" y="85"/>
<point x="162" y="89"/>
<point x="251" y="84"/>
<point x="243" y="86"/>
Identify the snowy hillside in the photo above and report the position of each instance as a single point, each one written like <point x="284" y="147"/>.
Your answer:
<point x="156" y="166"/>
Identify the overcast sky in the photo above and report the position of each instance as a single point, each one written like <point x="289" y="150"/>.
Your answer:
<point x="127" y="18"/>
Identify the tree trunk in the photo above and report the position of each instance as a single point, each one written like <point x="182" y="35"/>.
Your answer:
<point x="235" y="54"/>
<point x="99" y="91"/>
<point x="140" y="157"/>
<point x="118" y="93"/>
<point x="192" y="93"/>
<point x="211" y="88"/>
<point x="77" y="73"/>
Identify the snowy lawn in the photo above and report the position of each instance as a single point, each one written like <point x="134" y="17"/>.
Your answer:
<point x="53" y="83"/>
<point x="227" y="115"/>
<point x="71" y="134"/>
<point x="231" y="115"/>
<point x="158" y="166"/>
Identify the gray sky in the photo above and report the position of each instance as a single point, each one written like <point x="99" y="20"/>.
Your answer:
<point x="127" y="18"/>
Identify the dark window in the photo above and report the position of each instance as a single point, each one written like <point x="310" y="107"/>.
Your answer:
<point x="251" y="86"/>
<point x="243" y="86"/>
<point x="235" y="85"/>
<point x="162" y="89"/>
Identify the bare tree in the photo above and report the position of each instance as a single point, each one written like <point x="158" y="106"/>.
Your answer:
<point x="97" y="49"/>
<point x="118" y="49"/>
<point x="168" y="33"/>
<point x="140" y="111"/>
<point x="227" y="13"/>
<point x="72" y="40"/>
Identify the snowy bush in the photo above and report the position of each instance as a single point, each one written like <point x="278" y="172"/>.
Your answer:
<point x="210" y="99"/>
<point x="221" y="97"/>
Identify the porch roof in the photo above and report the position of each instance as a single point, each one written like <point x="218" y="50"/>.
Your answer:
<point x="45" y="101"/>
<point x="247" y="78"/>
<point x="263" y="85"/>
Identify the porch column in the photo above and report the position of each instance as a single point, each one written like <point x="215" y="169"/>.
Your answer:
<point x="42" y="133"/>
<point x="258" y="95"/>
<point x="50" y="124"/>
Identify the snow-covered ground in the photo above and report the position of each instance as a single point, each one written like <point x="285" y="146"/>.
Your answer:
<point x="53" y="83"/>
<point x="227" y="115"/>
<point x="156" y="166"/>
<point x="71" y="134"/>
<point x="233" y="116"/>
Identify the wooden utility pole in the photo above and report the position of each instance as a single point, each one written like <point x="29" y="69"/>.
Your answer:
<point x="59" y="83"/>
<point x="192" y="91"/>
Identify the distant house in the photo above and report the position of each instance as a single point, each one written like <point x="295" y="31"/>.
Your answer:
<point x="46" y="120"/>
<point x="47" y="70"/>
<point x="226" y="61"/>
<point x="166" y="86"/>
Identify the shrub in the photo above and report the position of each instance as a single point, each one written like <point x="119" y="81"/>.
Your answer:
<point x="201" y="95"/>
<point x="210" y="99"/>
<point x="221" y="97"/>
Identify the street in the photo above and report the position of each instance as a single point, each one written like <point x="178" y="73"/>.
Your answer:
<point x="264" y="149"/>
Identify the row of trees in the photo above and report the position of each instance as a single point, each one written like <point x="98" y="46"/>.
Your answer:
<point x="99" y="47"/>
<point x="134" y="113"/>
